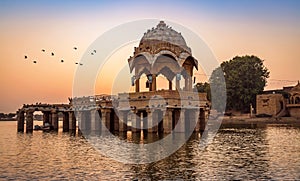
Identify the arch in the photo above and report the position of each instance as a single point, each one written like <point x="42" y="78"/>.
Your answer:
<point x="297" y="100"/>
<point x="138" y="61"/>
<point x="165" y="52"/>
<point x="165" y="60"/>
<point x="145" y="71"/>
<point x="292" y="100"/>
<point x="167" y="72"/>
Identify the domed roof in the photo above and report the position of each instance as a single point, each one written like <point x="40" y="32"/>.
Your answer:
<point x="162" y="32"/>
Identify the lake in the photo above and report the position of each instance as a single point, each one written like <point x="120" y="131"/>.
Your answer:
<point x="234" y="154"/>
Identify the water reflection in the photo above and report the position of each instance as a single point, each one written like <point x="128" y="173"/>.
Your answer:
<point x="234" y="154"/>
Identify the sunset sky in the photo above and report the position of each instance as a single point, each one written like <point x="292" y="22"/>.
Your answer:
<point x="268" y="29"/>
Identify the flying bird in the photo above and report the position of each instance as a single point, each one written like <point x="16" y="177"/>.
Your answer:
<point x="62" y="61"/>
<point x="25" y="56"/>
<point x="52" y="54"/>
<point x="92" y="53"/>
<point x="80" y="64"/>
<point x="75" y="48"/>
<point x="95" y="51"/>
<point x="43" y="50"/>
<point x="76" y="62"/>
<point x="34" y="61"/>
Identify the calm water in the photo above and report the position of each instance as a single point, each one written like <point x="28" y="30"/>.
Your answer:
<point x="269" y="153"/>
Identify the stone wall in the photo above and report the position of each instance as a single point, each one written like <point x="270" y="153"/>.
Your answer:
<point x="270" y="104"/>
<point x="294" y="112"/>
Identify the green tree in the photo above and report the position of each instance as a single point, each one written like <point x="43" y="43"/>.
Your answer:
<point x="245" y="77"/>
<point x="203" y="88"/>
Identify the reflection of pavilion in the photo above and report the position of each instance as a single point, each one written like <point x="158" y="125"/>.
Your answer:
<point x="162" y="51"/>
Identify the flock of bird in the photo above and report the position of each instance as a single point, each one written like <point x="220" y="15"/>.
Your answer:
<point x="62" y="60"/>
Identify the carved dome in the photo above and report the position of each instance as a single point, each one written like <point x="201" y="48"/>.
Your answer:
<point x="164" y="33"/>
<point x="161" y="41"/>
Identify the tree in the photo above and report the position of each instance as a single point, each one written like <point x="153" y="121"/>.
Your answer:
<point x="203" y="88"/>
<point x="245" y="77"/>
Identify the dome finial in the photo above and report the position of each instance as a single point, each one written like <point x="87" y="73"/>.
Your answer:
<point x="161" y="24"/>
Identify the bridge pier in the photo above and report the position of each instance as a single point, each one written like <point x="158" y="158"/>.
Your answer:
<point x="123" y="119"/>
<point x="20" y="119"/>
<point x="180" y="121"/>
<point x="86" y="121"/>
<point x="202" y="120"/>
<point x="46" y="117"/>
<point x="167" y="121"/>
<point x="93" y="119"/>
<point x="115" y="121"/>
<point x="54" y="116"/>
<point x="196" y="114"/>
<point x="145" y="121"/>
<point x="105" y="120"/>
<point x="72" y="121"/>
<point x="150" y="121"/>
<point x="154" y="120"/>
<point x="65" y="121"/>
<point x="50" y="119"/>
<point x="81" y="120"/>
<point x="29" y="121"/>
<point x="135" y="121"/>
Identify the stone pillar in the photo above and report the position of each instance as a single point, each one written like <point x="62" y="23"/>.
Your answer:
<point x="190" y="80"/>
<point x="20" y="119"/>
<point x="72" y="121"/>
<point x="55" y="120"/>
<point x="136" y="122"/>
<point x="85" y="124"/>
<point x="188" y="83"/>
<point x="93" y="116"/>
<point x="116" y="121"/>
<point x="191" y="120"/>
<point x="50" y="118"/>
<point x="80" y="119"/>
<point x="105" y="120"/>
<point x="155" y="120"/>
<point x="180" y="126"/>
<point x="87" y="119"/>
<point x="150" y="121"/>
<point x="202" y="120"/>
<point x="153" y="83"/>
<point x="123" y="121"/>
<point x="98" y="120"/>
<point x="46" y="117"/>
<point x="170" y="85"/>
<point x="137" y="85"/>
<point x="177" y="84"/>
<point x="29" y="121"/>
<point x="196" y="113"/>
<point x="160" y="123"/>
<point x="167" y="121"/>
<point x="65" y="121"/>
<point x="145" y="121"/>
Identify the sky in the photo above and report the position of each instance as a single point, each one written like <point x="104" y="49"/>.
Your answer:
<point x="269" y="29"/>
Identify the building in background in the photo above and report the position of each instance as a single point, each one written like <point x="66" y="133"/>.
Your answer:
<point x="281" y="102"/>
